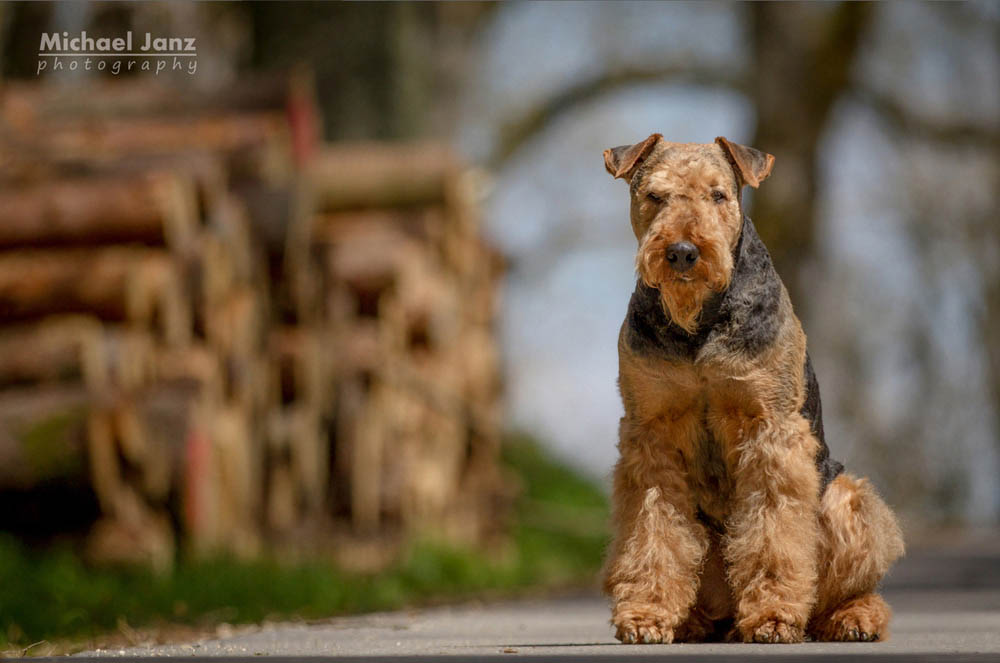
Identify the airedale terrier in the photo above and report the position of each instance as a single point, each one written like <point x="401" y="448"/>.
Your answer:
<point x="730" y="517"/>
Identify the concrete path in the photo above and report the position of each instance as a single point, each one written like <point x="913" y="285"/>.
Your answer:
<point x="946" y="600"/>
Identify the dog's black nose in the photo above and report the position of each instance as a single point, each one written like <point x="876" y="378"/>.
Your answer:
<point x="682" y="256"/>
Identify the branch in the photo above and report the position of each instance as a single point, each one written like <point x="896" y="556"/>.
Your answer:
<point x="517" y="132"/>
<point x="904" y="120"/>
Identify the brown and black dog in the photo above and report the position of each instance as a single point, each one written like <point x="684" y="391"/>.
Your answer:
<point x="729" y="515"/>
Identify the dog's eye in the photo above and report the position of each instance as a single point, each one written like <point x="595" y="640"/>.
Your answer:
<point x="655" y="198"/>
<point x="718" y="196"/>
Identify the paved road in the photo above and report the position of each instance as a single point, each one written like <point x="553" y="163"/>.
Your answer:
<point x="946" y="600"/>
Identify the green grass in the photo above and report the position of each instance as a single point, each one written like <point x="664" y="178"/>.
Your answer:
<point x="557" y="536"/>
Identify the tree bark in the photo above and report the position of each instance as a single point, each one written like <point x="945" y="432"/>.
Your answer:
<point x="366" y="175"/>
<point x="115" y="283"/>
<point x="92" y="211"/>
<point x="804" y="54"/>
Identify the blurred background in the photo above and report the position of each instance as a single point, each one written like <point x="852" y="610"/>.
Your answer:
<point x="322" y="316"/>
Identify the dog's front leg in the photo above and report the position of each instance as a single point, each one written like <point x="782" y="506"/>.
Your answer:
<point x="772" y="531"/>
<point x="652" y="572"/>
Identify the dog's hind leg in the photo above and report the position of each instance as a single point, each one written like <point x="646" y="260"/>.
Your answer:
<point x="859" y="539"/>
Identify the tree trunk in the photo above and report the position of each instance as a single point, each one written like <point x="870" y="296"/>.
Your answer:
<point x="804" y="54"/>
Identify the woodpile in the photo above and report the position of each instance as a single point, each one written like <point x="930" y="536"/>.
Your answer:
<point x="244" y="337"/>
<point x="409" y="287"/>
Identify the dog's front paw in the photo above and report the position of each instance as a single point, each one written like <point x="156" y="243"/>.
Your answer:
<point x="772" y="631"/>
<point x="641" y="627"/>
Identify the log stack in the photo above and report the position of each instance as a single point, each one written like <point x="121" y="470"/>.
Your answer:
<point x="410" y="289"/>
<point x="241" y="335"/>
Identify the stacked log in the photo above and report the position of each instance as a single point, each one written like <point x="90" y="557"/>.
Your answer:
<point x="132" y="224"/>
<point x="410" y="290"/>
<point x="232" y="329"/>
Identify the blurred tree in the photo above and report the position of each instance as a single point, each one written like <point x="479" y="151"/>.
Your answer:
<point x="383" y="70"/>
<point x="909" y="323"/>
<point x="22" y="25"/>
<point x="947" y="192"/>
<point x="803" y="55"/>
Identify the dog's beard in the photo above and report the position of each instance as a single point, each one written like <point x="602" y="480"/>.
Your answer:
<point x="683" y="295"/>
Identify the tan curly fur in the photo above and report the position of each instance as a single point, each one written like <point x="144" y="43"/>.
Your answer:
<point x="721" y="439"/>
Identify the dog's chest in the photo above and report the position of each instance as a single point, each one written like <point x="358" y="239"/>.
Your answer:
<point x="708" y="461"/>
<point x="703" y="418"/>
<point x="709" y="480"/>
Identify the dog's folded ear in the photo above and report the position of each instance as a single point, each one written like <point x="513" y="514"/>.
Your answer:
<point x="621" y="161"/>
<point x="752" y="165"/>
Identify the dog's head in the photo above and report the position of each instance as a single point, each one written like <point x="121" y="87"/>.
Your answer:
<point x="686" y="214"/>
